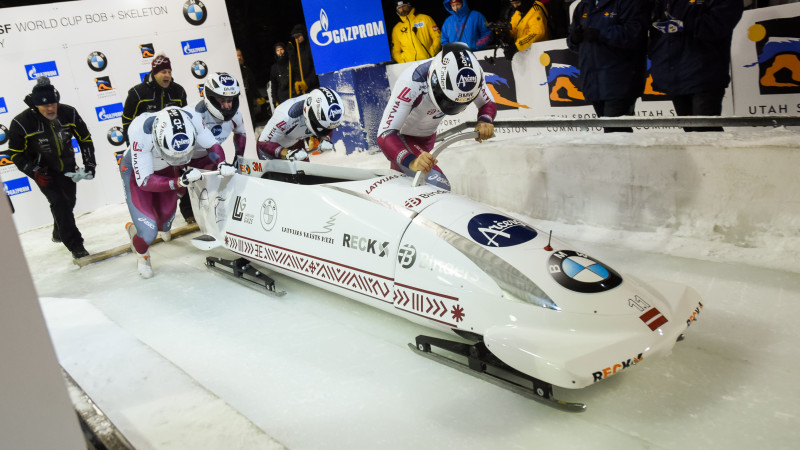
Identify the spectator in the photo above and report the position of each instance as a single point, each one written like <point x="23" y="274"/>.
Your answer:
<point x="40" y="146"/>
<point x="690" y="47"/>
<point x="422" y="96"/>
<point x="254" y="100"/>
<point x="529" y="24"/>
<point x="415" y="37"/>
<point x="299" y="125"/>
<point x="155" y="93"/>
<point x="610" y="38"/>
<point x="279" y="76"/>
<point x="162" y="144"/>
<point x="301" y="63"/>
<point x="557" y="17"/>
<point x="465" y="25"/>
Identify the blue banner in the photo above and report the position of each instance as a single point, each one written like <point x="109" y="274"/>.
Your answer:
<point x="346" y="34"/>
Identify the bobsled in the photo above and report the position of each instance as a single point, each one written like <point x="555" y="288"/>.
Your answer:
<point x="522" y="308"/>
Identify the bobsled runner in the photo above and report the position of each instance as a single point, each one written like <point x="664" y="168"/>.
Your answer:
<point x="524" y="310"/>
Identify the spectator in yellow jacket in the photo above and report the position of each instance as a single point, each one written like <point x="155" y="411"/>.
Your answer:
<point x="415" y="37"/>
<point x="528" y="20"/>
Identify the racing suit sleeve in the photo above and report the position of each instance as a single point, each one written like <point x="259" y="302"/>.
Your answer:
<point x="239" y="141"/>
<point x="487" y="107"/>
<point x="146" y="179"/>
<point x="268" y="146"/>
<point x="215" y="156"/>
<point x="404" y="96"/>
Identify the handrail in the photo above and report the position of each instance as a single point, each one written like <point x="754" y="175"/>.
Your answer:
<point x="632" y="121"/>
<point x="419" y="178"/>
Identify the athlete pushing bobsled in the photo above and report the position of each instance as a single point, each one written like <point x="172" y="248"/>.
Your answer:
<point x="423" y="94"/>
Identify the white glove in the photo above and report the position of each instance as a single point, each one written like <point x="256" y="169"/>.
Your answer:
<point x="297" y="155"/>
<point x="79" y="175"/>
<point x="226" y="170"/>
<point x="325" y="146"/>
<point x="189" y="177"/>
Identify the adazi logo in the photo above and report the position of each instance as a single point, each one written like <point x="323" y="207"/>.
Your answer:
<point x="339" y="35"/>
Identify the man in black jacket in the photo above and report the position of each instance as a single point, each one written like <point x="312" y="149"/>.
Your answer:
<point x="279" y="77"/>
<point x="157" y="92"/>
<point x="303" y="74"/>
<point x="40" y="145"/>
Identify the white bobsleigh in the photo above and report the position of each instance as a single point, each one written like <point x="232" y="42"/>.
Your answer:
<point x="518" y="301"/>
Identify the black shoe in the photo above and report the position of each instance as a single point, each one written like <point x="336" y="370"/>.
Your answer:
<point x="190" y="220"/>
<point x="56" y="239"/>
<point x="79" y="253"/>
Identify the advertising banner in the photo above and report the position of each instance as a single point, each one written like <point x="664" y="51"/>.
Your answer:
<point x="766" y="61"/>
<point x="346" y="34"/>
<point x="93" y="52"/>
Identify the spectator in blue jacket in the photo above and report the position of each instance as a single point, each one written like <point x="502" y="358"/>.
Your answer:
<point x="690" y="47"/>
<point x="465" y="25"/>
<point x="610" y="37"/>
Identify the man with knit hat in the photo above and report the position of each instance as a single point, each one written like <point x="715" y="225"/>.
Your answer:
<point x="40" y="145"/>
<point x="156" y="92"/>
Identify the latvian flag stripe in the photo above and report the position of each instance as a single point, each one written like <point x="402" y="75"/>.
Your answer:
<point x="653" y="318"/>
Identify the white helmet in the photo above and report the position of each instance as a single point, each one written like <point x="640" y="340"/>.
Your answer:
<point x="174" y="135"/>
<point x="323" y="111"/>
<point x="221" y="85"/>
<point x="454" y="78"/>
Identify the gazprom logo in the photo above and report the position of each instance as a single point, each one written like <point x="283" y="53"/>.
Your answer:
<point x="334" y="113"/>
<point x="194" y="46"/>
<point x="3" y="107"/>
<point x="109" y="112"/>
<point x="17" y="186"/>
<point x="466" y="80"/>
<point x="180" y="142"/>
<point x="343" y="34"/>
<point x="47" y="69"/>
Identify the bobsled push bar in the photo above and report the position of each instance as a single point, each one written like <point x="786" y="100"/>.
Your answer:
<point x="485" y="365"/>
<point x="241" y="267"/>
<point x="419" y="178"/>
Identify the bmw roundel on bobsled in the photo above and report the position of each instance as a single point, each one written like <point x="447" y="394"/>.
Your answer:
<point x="525" y="311"/>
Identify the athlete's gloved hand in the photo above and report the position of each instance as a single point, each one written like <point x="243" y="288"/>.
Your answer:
<point x="311" y="143"/>
<point x="226" y="170"/>
<point x="423" y="163"/>
<point x="300" y="87"/>
<point x="485" y="131"/>
<point x="669" y="26"/>
<point x="297" y="155"/>
<point x="79" y="175"/>
<point x="189" y="177"/>
<point x="325" y="146"/>
<point x="40" y="176"/>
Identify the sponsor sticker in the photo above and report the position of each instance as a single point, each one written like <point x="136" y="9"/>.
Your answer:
<point x="580" y="272"/>
<point x="47" y="69"/>
<point x="495" y="230"/>
<point x="109" y="112"/>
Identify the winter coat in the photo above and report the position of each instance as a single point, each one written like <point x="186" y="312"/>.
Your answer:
<point x="696" y="59"/>
<point x="611" y="41"/>
<point x="279" y="80"/>
<point x="529" y="24"/>
<point x="465" y="26"/>
<point x="308" y="75"/>
<point x="415" y="37"/>
<point x="149" y="96"/>
<point x="35" y="141"/>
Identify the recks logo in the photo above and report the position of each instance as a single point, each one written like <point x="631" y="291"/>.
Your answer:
<point x="194" y="46"/>
<point x="3" y="108"/>
<point x="17" y="186"/>
<point x="47" y="69"/>
<point x="109" y="112"/>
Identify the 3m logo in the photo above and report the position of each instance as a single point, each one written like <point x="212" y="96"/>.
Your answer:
<point x="653" y="318"/>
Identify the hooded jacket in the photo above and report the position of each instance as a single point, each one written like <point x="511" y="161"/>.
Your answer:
<point x="465" y="26"/>
<point x="35" y="141"/>
<point x="149" y="96"/>
<point x="696" y="59"/>
<point x="529" y="24"/>
<point x="415" y="37"/>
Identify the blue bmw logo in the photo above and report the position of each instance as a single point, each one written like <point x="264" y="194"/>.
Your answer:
<point x="3" y="134"/>
<point x="115" y="136"/>
<point x="581" y="273"/>
<point x="194" y="11"/>
<point x="97" y="61"/>
<point x="199" y="69"/>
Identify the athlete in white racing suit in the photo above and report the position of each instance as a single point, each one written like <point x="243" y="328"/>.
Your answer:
<point x="313" y="115"/>
<point x="423" y="94"/>
<point x="162" y="145"/>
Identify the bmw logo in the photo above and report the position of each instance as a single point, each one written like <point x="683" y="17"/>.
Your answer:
<point x="115" y="136"/>
<point x="194" y="11"/>
<point x="3" y="134"/>
<point x="269" y="214"/>
<point x="495" y="230"/>
<point x="97" y="61"/>
<point x="199" y="69"/>
<point x="581" y="273"/>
